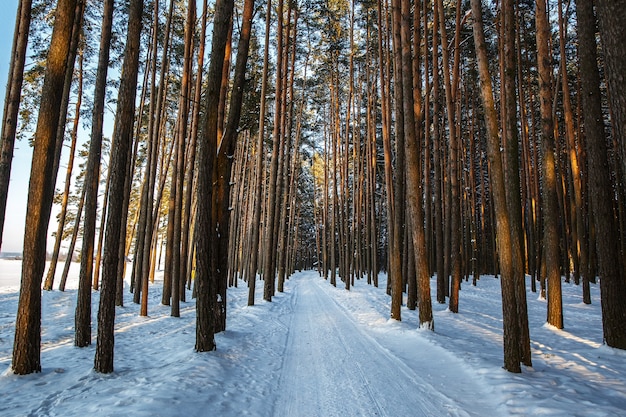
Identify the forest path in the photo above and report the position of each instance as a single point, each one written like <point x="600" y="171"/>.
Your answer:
<point x="332" y="366"/>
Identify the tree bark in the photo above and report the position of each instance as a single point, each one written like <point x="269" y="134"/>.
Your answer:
<point x="269" y="267"/>
<point x="122" y="139"/>
<point x="224" y="161"/>
<point x="612" y="286"/>
<point x="92" y="169"/>
<point x="611" y="15"/>
<point x="512" y="175"/>
<point x="454" y="220"/>
<point x="206" y="276"/>
<point x="27" y="343"/>
<point x="12" y="102"/>
<point x="549" y="180"/>
<point x="413" y="120"/>
<point x="509" y="304"/>
<point x="256" y="223"/>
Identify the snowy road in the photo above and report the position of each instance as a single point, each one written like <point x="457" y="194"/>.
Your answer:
<point x="333" y="368"/>
<point x="315" y="350"/>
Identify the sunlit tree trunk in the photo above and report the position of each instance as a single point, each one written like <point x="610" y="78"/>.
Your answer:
<point x="27" y="343"/>
<point x="171" y="213"/>
<point x="509" y="305"/>
<point x="549" y="181"/>
<point x="147" y="189"/>
<point x="178" y="174"/>
<point x="397" y="214"/>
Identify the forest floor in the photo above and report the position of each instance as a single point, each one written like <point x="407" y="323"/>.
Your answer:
<point x="315" y="350"/>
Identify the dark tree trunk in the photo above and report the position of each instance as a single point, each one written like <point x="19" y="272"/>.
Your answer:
<point x="269" y="267"/>
<point x="453" y="221"/>
<point x="413" y="120"/>
<point x="512" y="174"/>
<point x="398" y="186"/>
<point x="612" y="286"/>
<point x="12" y="102"/>
<point x="206" y="276"/>
<point x="611" y="15"/>
<point x="122" y="139"/>
<point x="92" y="170"/>
<point x="224" y="162"/>
<point x="258" y="187"/>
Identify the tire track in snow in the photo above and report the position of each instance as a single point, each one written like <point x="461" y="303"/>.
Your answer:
<point x="332" y="368"/>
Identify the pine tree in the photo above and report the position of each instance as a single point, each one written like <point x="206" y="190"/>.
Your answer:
<point x="27" y="344"/>
<point x="12" y="102"/>
<point x="122" y="140"/>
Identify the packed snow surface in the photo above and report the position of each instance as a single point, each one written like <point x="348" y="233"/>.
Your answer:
<point x="315" y="350"/>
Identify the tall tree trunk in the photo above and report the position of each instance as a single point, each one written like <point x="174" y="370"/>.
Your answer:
<point x="512" y="174"/>
<point x="393" y="249"/>
<point x="438" y="181"/>
<point x="612" y="286"/>
<point x="64" y="109"/>
<point x="611" y="15"/>
<point x="181" y="138"/>
<point x="270" y="233"/>
<point x="450" y="84"/>
<point x="149" y="84"/>
<point x="256" y="222"/>
<point x="12" y="102"/>
<point x="92" y="169"/>
<point x="27" y="343"/>
<point x="187" y="246"/>
<point x="397" y="236"/>
<point x="290" y="167"/>
<point x="549" y="181"/>
<point x="170" y="243"/>
<point x="122" y="139"/>
<point x="224" y="161"/>
<point x="509" y="303"/>
<point x="206" y="277"/>
<point x="578" y="224"/>
<point x="413" y="120"/>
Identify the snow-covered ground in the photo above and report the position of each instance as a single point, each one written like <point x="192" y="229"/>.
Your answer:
<point x="315" y="350"/>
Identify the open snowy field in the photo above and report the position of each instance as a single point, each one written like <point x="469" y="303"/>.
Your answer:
<point x="315" y="350"/>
